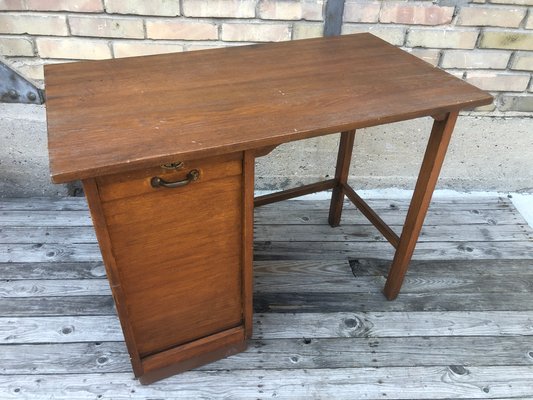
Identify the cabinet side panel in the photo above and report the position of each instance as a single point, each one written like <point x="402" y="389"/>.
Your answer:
<point x="247" y="239"/>
<point x="100" y="226"/>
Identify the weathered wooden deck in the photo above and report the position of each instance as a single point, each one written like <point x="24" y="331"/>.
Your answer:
<point x="461" y="328"/>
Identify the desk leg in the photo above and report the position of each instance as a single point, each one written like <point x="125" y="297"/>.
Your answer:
<point x="427" y="179"/>
<point x="341" y="176"/>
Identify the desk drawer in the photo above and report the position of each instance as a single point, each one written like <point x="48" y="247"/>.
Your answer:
<point x="178" y="251"/>
<point x="136" y="183"/>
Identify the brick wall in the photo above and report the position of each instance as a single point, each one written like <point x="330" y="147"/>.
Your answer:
<point x="489" y="43"/>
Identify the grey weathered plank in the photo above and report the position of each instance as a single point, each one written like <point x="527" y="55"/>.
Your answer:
<point x="79" y="203"/>
<point x="306" y="284"/>
<point x="325" y="269"/>
<point x="320" y="325"/>
<point x="376" y="302"/>
<point x="109" y="357"/>
<point x="366" y="284"/>
<point x="343" y="383"/>
<point x="293" y="302"/>
<point x="65" y="358"/>
<point x="52" y="270"/>
<point x="89" y="252"/>
<point x="314" y="233"/>
<point x="47" y="234"/>
<point x="350" y="216"/>
<point x="45" y="218"/>
<point x="54" y="287"/>
<point x="397" y="205"/>
<point x="423" y="251"/>
<point x="365" y="233"/>
<point x="69" y="329"/>
<point x="56" y="306"/>
<point x="44" y="204"/>
<point x="275" y="216"/>
<point x="292" y="269"/>
<point x="62" y="329"/>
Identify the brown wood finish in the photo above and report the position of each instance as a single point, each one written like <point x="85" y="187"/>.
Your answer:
<point x="194" y="354"/>
<point x="294" y="192"/>
<point x="427" y="179"/>
<point x="183" y="299"/>
<point x="113" y="274"/>
<point x="180" y="260"/>
<point x="371" y="215"/>
<point x="194" y="105"/>
<point x="248" y="166"/>
<point x="342" y="170"/>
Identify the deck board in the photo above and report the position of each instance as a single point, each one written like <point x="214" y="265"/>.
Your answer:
<point x="462" y="327"/>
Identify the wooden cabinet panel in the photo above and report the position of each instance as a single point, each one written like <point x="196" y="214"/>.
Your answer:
<point x="177" y="261"/>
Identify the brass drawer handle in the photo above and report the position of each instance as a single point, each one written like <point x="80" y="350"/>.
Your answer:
<point x="193" y="175"/>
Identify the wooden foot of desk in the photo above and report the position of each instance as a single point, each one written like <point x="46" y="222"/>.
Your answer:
<point x="341" y="177"/>
<point x="427" y="179"/>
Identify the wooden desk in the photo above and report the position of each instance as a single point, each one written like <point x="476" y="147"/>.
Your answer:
<point x="179" y="260"/>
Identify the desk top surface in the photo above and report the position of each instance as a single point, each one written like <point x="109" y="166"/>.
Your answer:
<point x="117" y="115"/>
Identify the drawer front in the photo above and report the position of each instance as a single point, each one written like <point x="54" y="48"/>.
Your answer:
<point x="117" y="186"/>
<point x="178" y="252"/>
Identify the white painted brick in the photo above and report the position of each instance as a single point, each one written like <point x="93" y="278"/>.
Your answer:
<point x="181" y="29"/>
<point x="280" y="9"/>
<point x="415" y="13"/>
<point x="101" y="26"/>
<point x="219" y="8"/>
<point x="442" y="38"/>
<point x="66" y="5"/>
<point x="498" y="81"/>
<point x="73" y="48"/>
<point x="394" y="35"/>
<point x="431" y="56"/>
<point x="523" y="61"/>
<point x="255" y="32"/>
<point x="168" y="8"/>
<point x="125" y="48"/>
<point x="306" y="30"/>
<point x="34" y="24"/>
<point x="361" y="11"/>
<point x="14" y="46"/>
<point x="475" y="59"/>
<point x="517" y="2"/>
<point x="12" y="5"/>
<point x="491" y="16"/>
<point x="291" y="9"/>
<point x="313" y="10"/>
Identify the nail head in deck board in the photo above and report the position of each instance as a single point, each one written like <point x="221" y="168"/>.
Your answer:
<point x="181" y="107"/>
